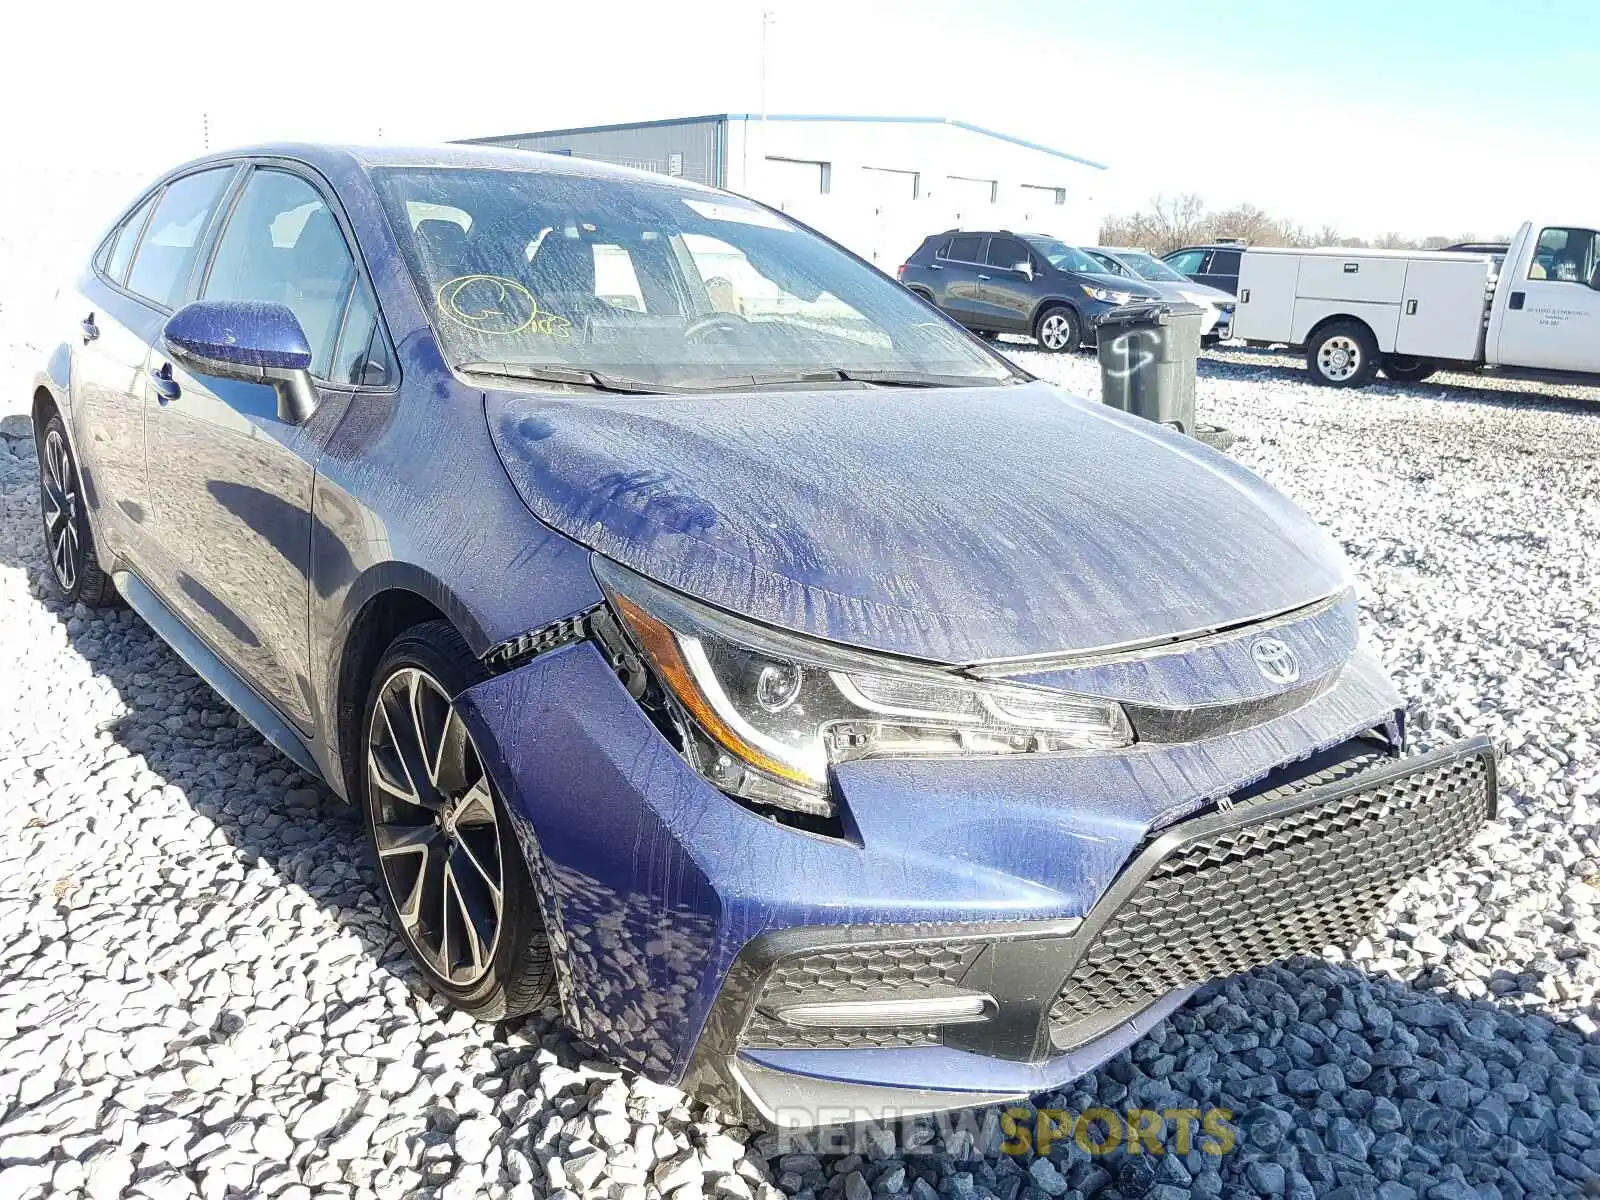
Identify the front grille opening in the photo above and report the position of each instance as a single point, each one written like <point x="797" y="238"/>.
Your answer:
<point x="1326" y="766"/>
<point x="1255" y="892"/>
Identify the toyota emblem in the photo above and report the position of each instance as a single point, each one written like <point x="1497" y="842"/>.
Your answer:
<point x="1275" y="661"/>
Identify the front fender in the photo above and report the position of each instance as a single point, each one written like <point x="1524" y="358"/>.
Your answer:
<point x="56" y="378"/>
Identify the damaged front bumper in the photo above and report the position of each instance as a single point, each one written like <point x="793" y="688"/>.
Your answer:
<point x="982" y="929"/>
<point x="1303" y="866"/>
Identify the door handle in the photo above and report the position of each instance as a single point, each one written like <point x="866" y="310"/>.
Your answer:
<point x="935" y="267"/>
<point x="90" y="329"/>
<point x="984" y="277"/>
<point x="1411" y="308"/>
<point x="1518" y="299"/>
<point x="166" y="386"/>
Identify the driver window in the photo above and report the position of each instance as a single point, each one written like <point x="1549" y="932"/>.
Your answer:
<point x="1565" y="255"/>
<point x="1006" y="253"/>
<point x="282" y="244"/>
<point x="1188" y="263"/>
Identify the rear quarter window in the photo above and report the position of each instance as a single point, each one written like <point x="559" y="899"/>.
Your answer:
<point x="119" y="249"/>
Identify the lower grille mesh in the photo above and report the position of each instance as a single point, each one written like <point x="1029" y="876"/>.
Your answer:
<point x="854" y="973"/>
<point x="1222" y="903"/>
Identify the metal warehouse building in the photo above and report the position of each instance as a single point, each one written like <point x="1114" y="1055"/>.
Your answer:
<point x="877" y="184"/>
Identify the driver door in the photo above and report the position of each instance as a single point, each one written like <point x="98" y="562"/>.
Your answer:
<point x="231" y="482"/>
<point x="1006" y="294"/>
<point x="1552" y="316"/>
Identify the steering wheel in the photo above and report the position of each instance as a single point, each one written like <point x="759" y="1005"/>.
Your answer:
<point x="730" y="322"/>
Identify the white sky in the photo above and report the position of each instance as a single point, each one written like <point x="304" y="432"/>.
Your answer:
<point x="127" y="87"/>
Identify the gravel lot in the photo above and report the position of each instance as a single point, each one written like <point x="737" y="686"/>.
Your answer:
<point x="199" y="995"/>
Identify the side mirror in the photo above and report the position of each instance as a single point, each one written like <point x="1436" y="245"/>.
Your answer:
<point x="249" y="340"/>
<point x="1026" y="267"/>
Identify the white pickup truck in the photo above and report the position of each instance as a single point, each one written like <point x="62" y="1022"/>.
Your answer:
<point x="1413" y="312"/>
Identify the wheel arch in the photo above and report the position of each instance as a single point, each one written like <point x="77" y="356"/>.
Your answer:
<point x="388" y="600"/>
<point x="1338" y="319"/>
<point x="44" y="406"/>
<point x="1360" y="330"/>
<point x="1049" y="302"/>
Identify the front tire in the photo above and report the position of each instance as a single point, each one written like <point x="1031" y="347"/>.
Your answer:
<point x="74" y="566"/>
<point x="1404" y="368"/>
<point x="1342" y="354"/>
<point x="1059" y="329"/>
<point x="450" y="865"/>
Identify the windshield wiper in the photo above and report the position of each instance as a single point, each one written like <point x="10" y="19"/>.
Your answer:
<point x="879" y="378"/>
<point x="737" y="383"/>
<point x="578" y="376"/>
<point x="921" y="379"/>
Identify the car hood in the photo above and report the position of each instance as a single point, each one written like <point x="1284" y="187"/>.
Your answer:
<point x="1189" y="290"/>
<point x="957" y="525"/>
<point x="1201" y="293"/>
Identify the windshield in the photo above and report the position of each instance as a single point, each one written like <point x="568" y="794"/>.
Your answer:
<point x="643" y="283"/>
<point x="1153" y="269"/>
<point x="1067" y="258"/>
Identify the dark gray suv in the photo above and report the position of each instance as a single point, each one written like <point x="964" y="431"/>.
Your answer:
<point x="1006" y="282"/>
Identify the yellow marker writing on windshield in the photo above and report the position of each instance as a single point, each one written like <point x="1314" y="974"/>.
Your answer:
<point x="497" y="305"/>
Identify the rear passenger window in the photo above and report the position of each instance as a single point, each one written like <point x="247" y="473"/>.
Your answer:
<point x="283" y="245"/>
<point x="965" y="249"/>
<point x="121" y="247"/>
<point x="167" y="250"/>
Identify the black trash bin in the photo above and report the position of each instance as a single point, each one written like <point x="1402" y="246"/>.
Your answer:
<point x="1147" y="357"/>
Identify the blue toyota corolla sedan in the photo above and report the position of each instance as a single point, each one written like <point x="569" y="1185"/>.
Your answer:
<point x="716" y="637"/>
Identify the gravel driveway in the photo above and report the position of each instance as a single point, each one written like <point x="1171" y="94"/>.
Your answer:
<point x="199" y="995"/>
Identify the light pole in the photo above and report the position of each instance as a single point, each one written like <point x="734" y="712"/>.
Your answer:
<point x="768" y="18"/>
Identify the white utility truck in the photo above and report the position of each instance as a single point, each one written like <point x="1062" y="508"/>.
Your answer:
<point x="1413" y="312"/>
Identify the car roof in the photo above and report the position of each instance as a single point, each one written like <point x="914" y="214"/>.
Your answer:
<point x="326" y="157"/>
<point x="1119" y="249"/>
<point x="1208" y="246"/>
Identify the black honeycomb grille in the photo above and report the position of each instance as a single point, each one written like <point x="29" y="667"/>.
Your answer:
<point x="1255" y="893"/>
<point x="855" y="973"/>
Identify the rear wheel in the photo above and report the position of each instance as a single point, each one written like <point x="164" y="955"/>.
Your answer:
<point x="1404" y="368"/>
<point x="1059" y="329"/>
<point x="452" y="872"/>
<point x="1342" y="354"/>
<point x="74" y="566"/>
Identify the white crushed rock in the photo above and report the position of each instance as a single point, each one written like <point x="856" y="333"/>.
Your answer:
<point x="199" y="995"/>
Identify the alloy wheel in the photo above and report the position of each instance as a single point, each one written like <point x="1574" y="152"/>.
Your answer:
<point x="1055" y="330"/>
<point x="1339" y="358"/>
<point x="60" y="506"/>
<point x="435" y="828"/>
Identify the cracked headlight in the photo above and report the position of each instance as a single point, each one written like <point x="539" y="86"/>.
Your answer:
<point x="765" y="713"/>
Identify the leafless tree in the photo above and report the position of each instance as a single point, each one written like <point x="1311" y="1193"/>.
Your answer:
<point x="1184" y="220"/>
